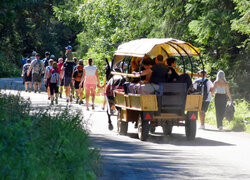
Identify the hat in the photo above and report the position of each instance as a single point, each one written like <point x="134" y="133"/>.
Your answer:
<point x="68" y="47"/>
<point x="37" y="54"/>
<point x="47" y="53"/>
<point x="52" y="56"/>
<point x="80" y="62"/>
<point x="28" y="61"/>
<point x="33" y="53"/>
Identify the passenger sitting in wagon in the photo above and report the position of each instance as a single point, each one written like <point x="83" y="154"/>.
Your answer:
<point x="173" y="76"/>
<point x="159" y="75"/>
<point x="143" y="85"/>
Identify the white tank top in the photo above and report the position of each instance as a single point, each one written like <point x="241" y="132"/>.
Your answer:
<point x="90" y="70"/>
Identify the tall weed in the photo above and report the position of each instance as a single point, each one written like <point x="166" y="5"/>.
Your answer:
<point x="242" y="111"/>
<point x="43" y="146"/>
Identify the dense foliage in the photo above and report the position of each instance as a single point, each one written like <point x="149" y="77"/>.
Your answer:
<point x="219" y="28"/>
<point x="40" y="146"/>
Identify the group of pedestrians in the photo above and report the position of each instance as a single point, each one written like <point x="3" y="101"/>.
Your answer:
<point x="72" y="75"/>
<point x="221" y="90"/>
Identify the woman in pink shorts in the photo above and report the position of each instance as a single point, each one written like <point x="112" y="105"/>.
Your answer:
<point x="91" y="80"/>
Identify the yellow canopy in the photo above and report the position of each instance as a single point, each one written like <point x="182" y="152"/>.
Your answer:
<point x="153" y="47"/>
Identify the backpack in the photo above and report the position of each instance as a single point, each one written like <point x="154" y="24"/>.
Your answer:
<point x="229" y="112"/>
<point x="68" y="68"/>
<point x="26" y="68"/>
<point x="78" y="72"/>
<point x="54" y="76"/>
<point x="202" y="88"/>
<point x="37" y="68"/>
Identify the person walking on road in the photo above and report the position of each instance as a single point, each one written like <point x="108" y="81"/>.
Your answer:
<point x="36" y="67"/>
<point x="67" y="69"/>
<point x="46" y="59"/>
<point x="27" y="79"/>
<point x="60" y="65"/>
<point x="221" y="89"/>
<point x="77" y="76"/>
<point x="91" y="80"/>
<point x="206" y="87"/>
<point x="46" y="77"/>
<point x="54" y="80"/>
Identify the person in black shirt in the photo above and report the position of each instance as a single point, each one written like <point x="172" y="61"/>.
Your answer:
<point x="173" y="76"/>
<point x="159" y="71"/>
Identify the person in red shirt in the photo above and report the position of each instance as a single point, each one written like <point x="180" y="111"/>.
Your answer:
<point x="60" y="64"/>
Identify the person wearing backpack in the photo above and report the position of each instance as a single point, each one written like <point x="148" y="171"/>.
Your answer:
<point x="204" y="86"/>
<point x="67" y="70"/>
<point x="77" y="76"/>
<point x="36" y="67"/>
<point x="221" y="89"/>
<point x="46" y="77"/>
<point x="27" y="79"/>
<point x="54" y="80"/>
<point x="46" y="59"/>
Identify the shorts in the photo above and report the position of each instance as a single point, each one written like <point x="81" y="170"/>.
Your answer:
<point x="77" y="83"/>
<point x="27" y="78"/>
<point x="68" y="81"/>
<point x="90" y="86"/>
<point x="205" y="105"/>
<point x="53" y="88"/>
<point x="36" y="77"/>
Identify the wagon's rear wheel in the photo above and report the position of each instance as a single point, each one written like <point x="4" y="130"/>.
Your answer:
<point x="143" y="128"/>
<point x="122" y="126"/>
<point x="190" y="128"/>
<point x="167" y="128"/>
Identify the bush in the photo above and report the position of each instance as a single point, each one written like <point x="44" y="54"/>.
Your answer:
<point x="8" y="67"/>
<point x="42" y="146"/>
<point x="241" y="112"/>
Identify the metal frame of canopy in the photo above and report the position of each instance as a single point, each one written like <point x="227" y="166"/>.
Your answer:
<point x="155" y="46"/>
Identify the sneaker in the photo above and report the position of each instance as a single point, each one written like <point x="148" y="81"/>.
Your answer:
<point x="202" y="127"/>
<point x="35" y="91"/>
<point x="60" y="95"/>
<point x="56" y="100"/>
<point x="93" y="106"/>
<point x="71" y="98"/>
<point x="26" y="90"/>
<point x="48" y="98"/>
<point x="29" y="91"/>
<point x="39" y="91"/>
<point x="67" y="99"/>
<point x="87" y="109"/>
<point x="77" y="99"/>
<point x="52" y="103"/>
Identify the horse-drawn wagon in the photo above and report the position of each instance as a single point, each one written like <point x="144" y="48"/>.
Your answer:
<point x="174" y="105"/>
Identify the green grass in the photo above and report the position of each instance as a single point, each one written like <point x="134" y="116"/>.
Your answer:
<point x="42" y="146"/>
<point x="241" y="113"/>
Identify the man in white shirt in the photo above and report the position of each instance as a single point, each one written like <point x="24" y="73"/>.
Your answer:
<point x="206" y="96"/>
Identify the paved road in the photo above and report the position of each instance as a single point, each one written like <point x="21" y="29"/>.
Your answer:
<point x="213" y="155"/>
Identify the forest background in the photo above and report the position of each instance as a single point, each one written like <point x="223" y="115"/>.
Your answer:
<point x="95" y="28"/>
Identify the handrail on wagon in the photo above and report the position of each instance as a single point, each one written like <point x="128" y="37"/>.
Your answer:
<point x="125" y="74"/>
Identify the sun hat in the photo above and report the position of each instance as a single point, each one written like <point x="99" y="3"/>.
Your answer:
<point x="68" y="47"/>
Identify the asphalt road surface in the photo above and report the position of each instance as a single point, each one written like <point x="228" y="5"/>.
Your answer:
<point x="212" y="155"/>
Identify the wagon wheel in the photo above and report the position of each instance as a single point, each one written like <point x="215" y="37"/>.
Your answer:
<point x="121" y="125"/>
<point x="190" y="128"/>
<point x="167" y="128"/>
<point x="143" y="128"/>
<point x="152" y="128"/>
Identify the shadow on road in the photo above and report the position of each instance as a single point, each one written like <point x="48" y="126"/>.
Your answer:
<point x="180" y="140"/>
<point x="133" y="160"/>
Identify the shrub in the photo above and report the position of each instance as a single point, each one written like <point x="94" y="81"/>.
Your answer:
<point x="43" y="146"/>
<point x="241" y="112"/>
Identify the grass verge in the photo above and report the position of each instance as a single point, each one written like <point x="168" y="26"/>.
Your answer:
<point x="42" y="146"/>
<point x="241" y="115"/>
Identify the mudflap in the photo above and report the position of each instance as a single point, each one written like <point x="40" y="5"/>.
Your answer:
<point x="193" y="115"/>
